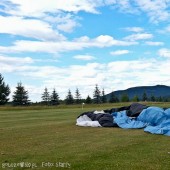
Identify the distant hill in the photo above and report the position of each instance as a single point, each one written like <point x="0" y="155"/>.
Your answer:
<point x="157" y="91"/>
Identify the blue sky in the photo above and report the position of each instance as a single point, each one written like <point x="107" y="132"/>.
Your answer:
<point x="69" y="44"/>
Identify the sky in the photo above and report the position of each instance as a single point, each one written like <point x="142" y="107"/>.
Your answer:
<point x="69" y="44"/>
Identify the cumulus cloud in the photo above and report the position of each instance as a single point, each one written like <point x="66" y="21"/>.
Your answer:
<point x="126" y="6"/>
<point x="29" y="28"/>
<point x="134" y="29"/>
<point x="65" y="22"/>
<point x="39" y="7"/>
<point x="64" y="46"/>
<point x="112" y="76"/>
<point x="165" y="30"/>
<point x="84" y="57"/>
<point x="10" y="64"/>
<point x="164" y="52"/>
<point x="67" y="26"/>
<point x="138" y="36"/>
<point x="15" y="60"/>
<point x="156" y="10"/>
<point x="120" y="52"/>
<point x="154" y="43"/>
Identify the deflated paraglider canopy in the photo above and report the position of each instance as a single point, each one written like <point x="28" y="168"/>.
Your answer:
<point x="153" y="119"/>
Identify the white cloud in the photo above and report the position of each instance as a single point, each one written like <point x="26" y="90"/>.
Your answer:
<point x="28" y="28"/>
<point x="134" y="29"/>
<point x="152" y="43"/>
<point x="167" y="29"/>
<point x="112" y="76"/>
<point x="11" y="64"/>
<point x="164" y="52"/>
<point x="157" y="10"/>
<point x="126" y="6"/>
<point x="138" y="36"/>
<point x="109" y="2"/>
<point x="63" y="21"/>
<point x="67" y="26"/>
<point x="38" y="7"/>
<point x="164" y="30"/>
<point x="64" y="46"/>
<point x="120" y="52"/>
<point x="15" y="60"/>
<point x="84" y="57"/>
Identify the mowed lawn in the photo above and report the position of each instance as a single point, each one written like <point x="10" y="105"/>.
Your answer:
<point x="37" y="136"/>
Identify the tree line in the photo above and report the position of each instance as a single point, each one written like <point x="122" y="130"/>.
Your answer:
<point x="21" y="96"/>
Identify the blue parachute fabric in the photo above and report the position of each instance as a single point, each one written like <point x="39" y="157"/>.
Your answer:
<point x="163" y="128"/>
<point x="153" y="119"/>
<point x="167" y="112"/>
<point x="152" y="115"/>
<point x="126" y="122"/>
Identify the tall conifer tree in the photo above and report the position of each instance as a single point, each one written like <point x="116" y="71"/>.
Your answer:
<point x="4" y="91"/>
<point x="20" y="96"/>
<point x="54" y="98"/>
<point x="45" y="96"/>
<point x="97" y="95"/>
<point x="69" y="98"/>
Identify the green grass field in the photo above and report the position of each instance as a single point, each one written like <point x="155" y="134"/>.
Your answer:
<point x="38" y="135"/>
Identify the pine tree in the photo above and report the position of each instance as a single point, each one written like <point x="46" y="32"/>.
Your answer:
<point x="69" y="98"/>
<point x="45" y="96"/>
<point x="113" y="98"/>
<point x="88" y="100"/>
<point x="103" y="96"/>
<point x="124" y="98"/>
<point x="20" y="96"/>
<point x="54" y="98"/>
<point x="160" y="99"/>
<point x="135" y="98"/>
<point x="77" y="96"/>
<point x="4" y="91"/>
<point x="153" y="98"/>
<point x="96" y="95"/>
<point x="144" y="97"/>
<point x="165" y="99"/>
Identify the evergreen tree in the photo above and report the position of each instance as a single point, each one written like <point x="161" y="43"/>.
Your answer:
<point x="153" y="98"/>
<point x="160" y="99"/>
<point x="103" y="96"/>
<point x="144" y="97"/>
<point x="20" y="96"/>
<point x="165" y="99"/>
<point x="69" y="98"/>
<point x="113" y="98"/>
<point x="45" y="96"/>
<point x="135" y="98"/>
<point x="96" y="95"/>
<point x="124" y="98"/>
<point x="88" y="100"/>
<point x="77" y="96"/>
<point x="54" y="98"/>
<point x="4" y="91"/>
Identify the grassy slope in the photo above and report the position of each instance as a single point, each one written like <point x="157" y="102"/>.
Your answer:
<point x="50" y="135"/>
